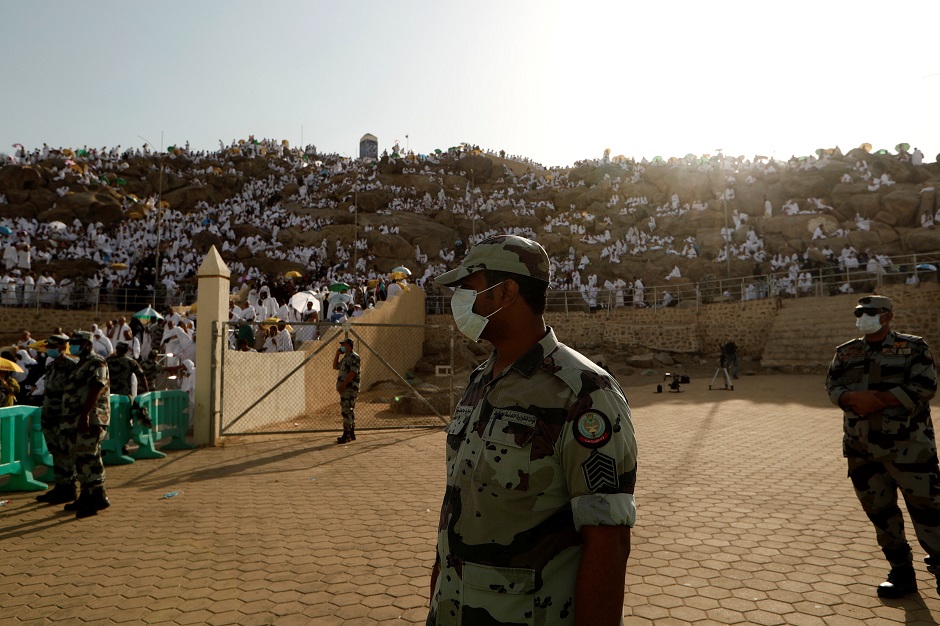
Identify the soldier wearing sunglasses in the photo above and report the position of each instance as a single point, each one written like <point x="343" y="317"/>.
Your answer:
<point x="883" y="382"/>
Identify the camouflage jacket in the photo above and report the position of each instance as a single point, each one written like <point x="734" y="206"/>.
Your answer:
<point x="120" y="369"/>
<point x="57" y="375"/>
<point x="349" y="363"/>
<point x="533" y="454"/>
<point x="151" y="370"/>
<point x="89" y="369"/>
<point x="903" y="365"/>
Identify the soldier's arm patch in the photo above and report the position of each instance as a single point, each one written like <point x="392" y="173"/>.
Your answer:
<point x="592" y="429"/>
<point x="600" y="472"/>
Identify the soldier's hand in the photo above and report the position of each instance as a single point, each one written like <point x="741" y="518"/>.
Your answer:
<point x="862" y="403"/>
<point x="84" y="421"/>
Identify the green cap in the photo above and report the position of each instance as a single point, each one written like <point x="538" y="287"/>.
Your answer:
<point x="875" y="302"/>
<point x="503" y="253"/>
<point x="81" y="335"/>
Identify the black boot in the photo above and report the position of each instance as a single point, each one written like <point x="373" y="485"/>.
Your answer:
<point x="933" y="566"/>
<point x="60" y="494"/>
<point x="77" y="504"/>
<point x="97" y="501"/>
<point x="352" y="433"/>
<point x="345" y="438"/>
<point x="901" y="581"/>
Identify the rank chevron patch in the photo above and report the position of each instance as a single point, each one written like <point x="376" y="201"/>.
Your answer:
<point x="600" y="472"/>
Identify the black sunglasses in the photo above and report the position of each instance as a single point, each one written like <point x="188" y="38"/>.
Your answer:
<point x="868" y="311"/>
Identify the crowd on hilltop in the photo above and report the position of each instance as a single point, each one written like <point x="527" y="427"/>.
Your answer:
<point x="125" y="260"/>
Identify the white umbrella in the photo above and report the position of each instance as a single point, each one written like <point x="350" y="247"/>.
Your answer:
<point x="57" y="226"/>
<point x="300" y="299"/>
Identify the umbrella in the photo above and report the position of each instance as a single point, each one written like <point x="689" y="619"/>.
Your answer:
<point x="118" y="266"/>
<point x="404" y="270"/>
<point x="57" y="226"/>
<point x="274" y="321"/>
<point x="339" y="286"/>
<point x="866" y="147"/>
<point x="5" y="231"/>
<point x="902" y="147"/>
<point x="147" y="315"/>
<point x="927" y="267"/>
<point x="300" y="299"/>
<point x="372" y="283"/>
<point x="7" y="365"/>
<point x="293" y="274"/>
<point x="397" y="275"/>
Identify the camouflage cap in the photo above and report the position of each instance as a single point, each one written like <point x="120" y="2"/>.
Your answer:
<point x="875" y="302"/>
<point x="57" y="340"/>
<point x="503" y="253"/>
<point x="81" y="335"/>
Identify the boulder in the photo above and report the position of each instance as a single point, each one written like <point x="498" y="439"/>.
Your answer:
<point x="904" y="202"/>
<point x="19" y="178"/>
<point x="806" y="185"/>
<point x="477" y="167"/>
<point x="867" y="205"/>
<point x="642" y="361"/>
<point x="923" y="240"/>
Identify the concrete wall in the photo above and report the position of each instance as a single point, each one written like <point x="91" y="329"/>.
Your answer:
<point x="688" y="330"/>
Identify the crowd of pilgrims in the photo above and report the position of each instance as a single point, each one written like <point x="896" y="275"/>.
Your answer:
<point x="125" y="252"/>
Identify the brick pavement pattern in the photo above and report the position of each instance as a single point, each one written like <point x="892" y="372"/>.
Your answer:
<point x="745" y="515"/>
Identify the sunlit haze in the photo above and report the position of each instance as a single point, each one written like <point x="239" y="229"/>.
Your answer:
<point x="553" y="81"/>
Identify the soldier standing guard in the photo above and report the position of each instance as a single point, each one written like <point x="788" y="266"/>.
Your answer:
<point x="57" y="436"/>
<point x="884" y="382"/>
<point x="347" y="384"/>
<point x="540" y="460"/>
<point x="86" y="408"/>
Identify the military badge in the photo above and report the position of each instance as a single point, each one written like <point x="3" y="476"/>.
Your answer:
<point x="600" y="473"/>
<point x="592" y="429"/>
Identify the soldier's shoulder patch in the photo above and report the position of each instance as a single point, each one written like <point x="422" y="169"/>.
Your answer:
<point x="600" y="472"/>
<point x="592" y="429"/>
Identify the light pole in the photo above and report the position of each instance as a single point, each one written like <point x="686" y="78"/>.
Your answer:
<point x="724" y="198"/>
<point x="157" y="263"/>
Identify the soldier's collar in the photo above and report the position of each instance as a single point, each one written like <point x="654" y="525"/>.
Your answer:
<point x="531" y="360"/>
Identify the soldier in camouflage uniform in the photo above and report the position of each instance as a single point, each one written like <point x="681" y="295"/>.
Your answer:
<point x="151" y="369"/>
<point x="86" y="410"/>
<point x="884" y="382"/>
<point x="57" y="437"/>
<point x="347" y="384"/>
<point x="540" y="459"/>
<point x="120" y="369"/>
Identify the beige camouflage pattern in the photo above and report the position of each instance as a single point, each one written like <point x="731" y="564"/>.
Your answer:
<point x="502" y="253"/>
<point x="533" y="454"/>
<point x="892" y="449"/>
<point x="903" y="365"/>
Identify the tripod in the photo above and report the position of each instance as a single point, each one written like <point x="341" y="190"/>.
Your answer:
<point x="722" y="368"/>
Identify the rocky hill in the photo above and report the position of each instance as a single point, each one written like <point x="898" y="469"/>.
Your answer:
<point x="439" y="190"/>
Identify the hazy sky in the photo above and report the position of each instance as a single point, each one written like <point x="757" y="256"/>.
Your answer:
<point x="555" y="81"/>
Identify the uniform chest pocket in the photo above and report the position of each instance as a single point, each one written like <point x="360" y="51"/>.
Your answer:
<point x="506" y="451"/>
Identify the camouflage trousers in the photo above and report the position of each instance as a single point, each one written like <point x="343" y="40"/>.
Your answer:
<point x="58" y="440"/>
<point x="347" y="404"/>
<point x="876" y="485"/>
<point x="86" y="455"/>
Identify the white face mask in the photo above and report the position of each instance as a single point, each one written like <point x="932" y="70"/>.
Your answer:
<point x="461" y="306"/>
<point x="869" y="324"/>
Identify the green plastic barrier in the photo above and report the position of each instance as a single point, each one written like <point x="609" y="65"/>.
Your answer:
<point x="15" y="458"/>
<point x="38" y="451"/>
<point x="119" y="432"/>
<point x="169" y="412"/>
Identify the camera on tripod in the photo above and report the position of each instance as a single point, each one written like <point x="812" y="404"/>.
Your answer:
<point x="675" y="383"/>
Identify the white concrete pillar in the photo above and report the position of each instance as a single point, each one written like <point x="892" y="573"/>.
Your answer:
<point x="211" y="307"/>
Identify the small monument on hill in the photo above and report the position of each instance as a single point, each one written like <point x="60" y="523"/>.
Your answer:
<point x="369" y="146"/>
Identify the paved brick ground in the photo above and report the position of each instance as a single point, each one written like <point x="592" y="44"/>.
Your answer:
<point x="745" y="516"/>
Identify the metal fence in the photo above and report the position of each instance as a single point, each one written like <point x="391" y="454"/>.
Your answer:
<point x="295" y="391"/>
<point x="826" y="280"/>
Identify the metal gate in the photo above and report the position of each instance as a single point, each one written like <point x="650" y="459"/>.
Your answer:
<point x="294" y="392"/>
